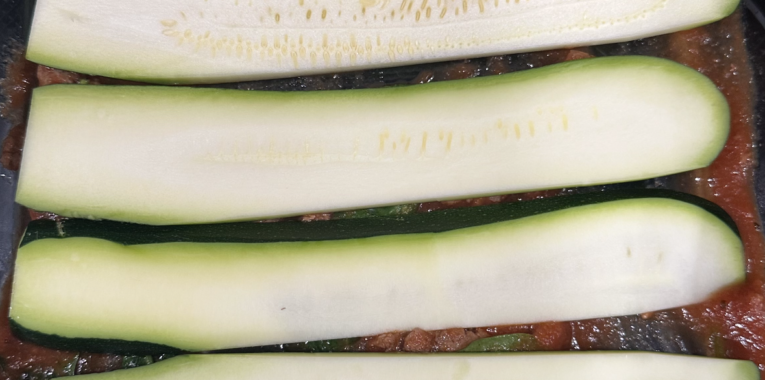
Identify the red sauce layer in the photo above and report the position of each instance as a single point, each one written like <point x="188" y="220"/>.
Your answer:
<point x="731" y="324"/>
<point x="738" y="316"/>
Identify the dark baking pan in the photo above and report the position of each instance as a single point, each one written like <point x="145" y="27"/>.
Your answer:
<point x="636" y="333"/>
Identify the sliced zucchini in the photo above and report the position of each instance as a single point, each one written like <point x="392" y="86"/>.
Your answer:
<point x="339" y="229"/>
<point x="187" y="155"/>
<point x="192" y="41"/>
<point x="539" y="366"/>
<point x="605" y="259"/>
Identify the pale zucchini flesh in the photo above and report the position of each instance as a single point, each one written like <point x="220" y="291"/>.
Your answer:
<point x="194" y="41"/>
<point x="182" y="155"/>
<point x="608" y="259"/>
<point x="539" y="366"/>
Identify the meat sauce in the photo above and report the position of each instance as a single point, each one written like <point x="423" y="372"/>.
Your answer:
<point x="730" y="324"/>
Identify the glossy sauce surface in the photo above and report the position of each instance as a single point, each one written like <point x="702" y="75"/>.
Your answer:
<point x="732" y="324"/>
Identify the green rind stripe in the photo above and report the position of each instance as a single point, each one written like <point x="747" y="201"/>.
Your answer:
<point x="437" y="221"/>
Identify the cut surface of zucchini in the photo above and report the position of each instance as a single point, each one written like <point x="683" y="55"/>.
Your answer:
<point x="190" y="41"/>
<point x="606" y="259"/>
<point x="158" y="155"/>
<point x="538" y="366"/>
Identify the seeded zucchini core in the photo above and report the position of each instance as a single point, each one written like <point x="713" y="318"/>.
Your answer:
<point x="190" y="41"/>
<point x="159" y="155"/>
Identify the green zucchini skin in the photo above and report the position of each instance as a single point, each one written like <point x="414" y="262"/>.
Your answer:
<point x="464" y="366"/>
<point x="338" y="229"/>
<point x="114" y="346"/>
<point x="733" y="265"/>
<point x="505" y="343"/>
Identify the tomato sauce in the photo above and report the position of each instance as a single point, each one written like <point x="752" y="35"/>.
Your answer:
<point x="739" y="314"/>
<point x="731" y="324"/>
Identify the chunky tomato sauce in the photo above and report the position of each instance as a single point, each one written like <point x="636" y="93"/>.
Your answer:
<point x="731" y="324"/>
<point x="736" y="316"/>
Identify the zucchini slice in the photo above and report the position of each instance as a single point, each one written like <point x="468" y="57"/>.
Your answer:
<point x="159" y="155"/>
<point x="604" y="259"/>
<point x="537" y="366"/>
<point x="339" y="229"/>
<point x="192" y="41"/>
